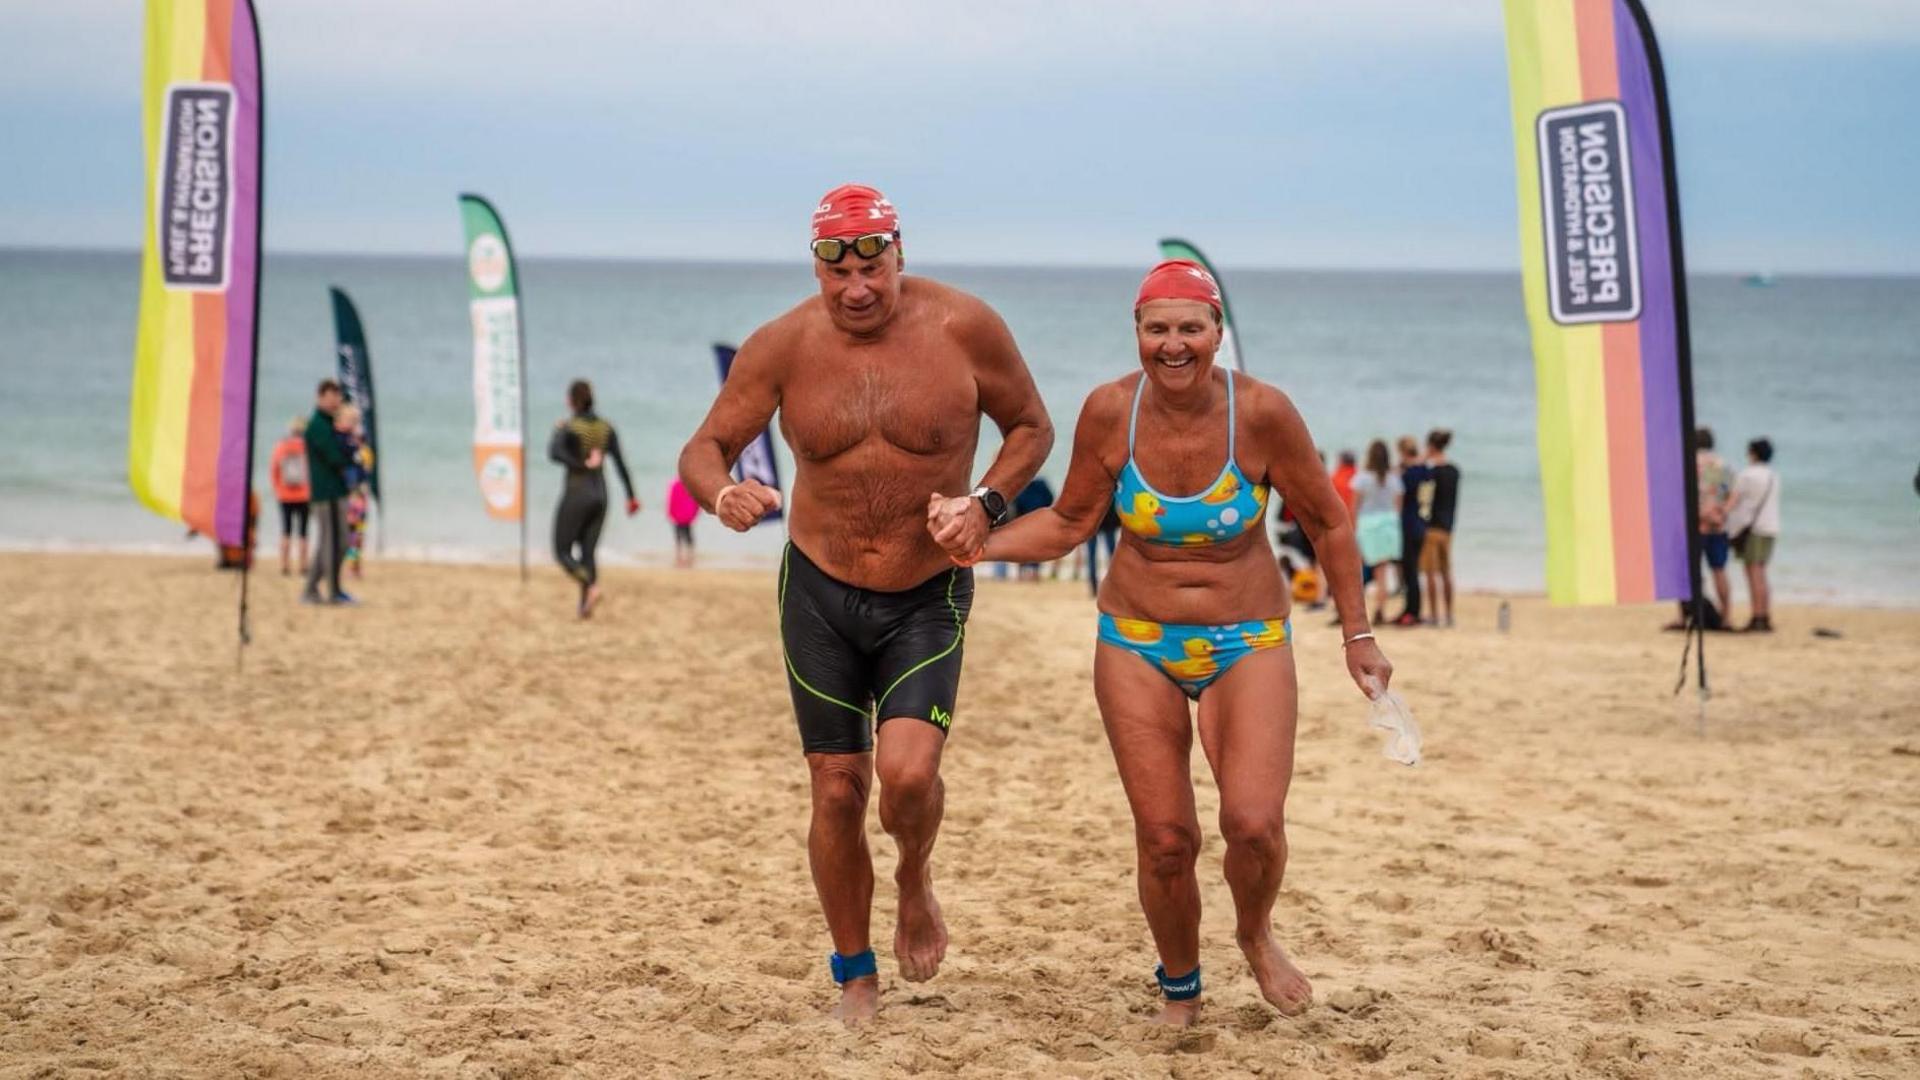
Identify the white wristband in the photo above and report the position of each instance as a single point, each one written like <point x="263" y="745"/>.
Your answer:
<point x="1363" y="636"/>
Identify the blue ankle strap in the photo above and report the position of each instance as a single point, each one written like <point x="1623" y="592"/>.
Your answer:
<point x="857" y="966"/>
<point x="1185" y="988"/>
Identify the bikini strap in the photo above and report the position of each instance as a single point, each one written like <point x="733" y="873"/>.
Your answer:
<point x="1133" y="418"/>
<point x="1232" y="461"/>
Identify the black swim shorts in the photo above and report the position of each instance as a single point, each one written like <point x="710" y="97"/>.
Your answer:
<point x="855" y="654"/>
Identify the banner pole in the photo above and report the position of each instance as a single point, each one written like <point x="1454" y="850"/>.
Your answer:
<point x="247" y="516"/>
<point x="1683" y="355"/>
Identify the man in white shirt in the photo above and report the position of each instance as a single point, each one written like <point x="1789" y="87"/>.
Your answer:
<point x="1753" y="520"/>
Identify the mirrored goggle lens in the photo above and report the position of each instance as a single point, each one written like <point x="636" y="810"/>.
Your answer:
<point x="868" y="246"/>
<point x="871" y="244"/>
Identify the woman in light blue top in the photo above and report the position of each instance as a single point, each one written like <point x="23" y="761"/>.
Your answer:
<point x="1194" y="610"/>
<point x="1376" y="508"/>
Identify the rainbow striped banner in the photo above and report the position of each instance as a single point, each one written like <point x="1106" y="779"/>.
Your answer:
<point x="1605" y="296"/>
<point x="190" y="436"/>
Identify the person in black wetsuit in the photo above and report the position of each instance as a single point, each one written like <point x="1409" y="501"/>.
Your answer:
<point x="582" y="443"/>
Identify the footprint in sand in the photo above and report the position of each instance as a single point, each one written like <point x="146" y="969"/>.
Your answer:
<point x="1360" y="1001"/>
<point x="1787" y="1041"/>
<point x="1488" y="1044"/>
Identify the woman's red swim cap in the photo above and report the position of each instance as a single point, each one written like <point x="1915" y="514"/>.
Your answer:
<point x="1179" y="279"/>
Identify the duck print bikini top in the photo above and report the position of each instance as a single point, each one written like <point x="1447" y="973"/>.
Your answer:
<point x="1226" y="509"/>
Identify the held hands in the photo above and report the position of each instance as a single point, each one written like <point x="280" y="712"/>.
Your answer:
<point x="741" y="506"/>
<point x="1370" y="668"/>
<point x="633" y="506"/>
<point x="959" y="525"/>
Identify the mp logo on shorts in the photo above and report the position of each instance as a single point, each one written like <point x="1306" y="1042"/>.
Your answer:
<point x="195" y="214"/>
<point x="941" y="718"/>
<point x="1586" y="190"/>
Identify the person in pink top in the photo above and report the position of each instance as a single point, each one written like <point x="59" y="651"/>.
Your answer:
<point x="682" y="509"/>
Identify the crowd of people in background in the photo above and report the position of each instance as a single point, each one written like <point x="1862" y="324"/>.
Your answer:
<point x="1402" y="504"/>
<point x="1403" y="516"/>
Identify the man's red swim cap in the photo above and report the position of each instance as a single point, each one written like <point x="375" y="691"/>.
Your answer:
<point x="853" y="210"/>
<point x="1179" y="279"/>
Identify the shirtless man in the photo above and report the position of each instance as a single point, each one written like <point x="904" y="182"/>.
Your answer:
<point x="880" y="382"/>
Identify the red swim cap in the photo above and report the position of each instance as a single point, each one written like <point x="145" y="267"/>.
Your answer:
<point x="1179" y="279"/>
<point x="853" y="210"/>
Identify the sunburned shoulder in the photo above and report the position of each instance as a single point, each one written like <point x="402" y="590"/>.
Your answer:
<point x="1265" y="405"/>
<point x="1111" y="400"/>
<point x="962" y="313"/>
<point x="786" y="330"/>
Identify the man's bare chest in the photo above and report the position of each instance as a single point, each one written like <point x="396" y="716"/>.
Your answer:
<point x="926" y="405"/>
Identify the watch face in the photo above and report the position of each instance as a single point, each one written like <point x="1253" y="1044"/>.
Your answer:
<point x="995" y="503"/>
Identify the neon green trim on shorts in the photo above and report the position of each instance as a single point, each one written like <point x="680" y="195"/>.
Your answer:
<point x="791" y="670"/>
<point x="959" y="632"/>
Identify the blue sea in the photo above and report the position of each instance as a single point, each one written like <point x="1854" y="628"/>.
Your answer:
<point x="1828" y="368"/>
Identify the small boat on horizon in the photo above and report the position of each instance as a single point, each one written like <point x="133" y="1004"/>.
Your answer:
<point x="1762" y="280"/>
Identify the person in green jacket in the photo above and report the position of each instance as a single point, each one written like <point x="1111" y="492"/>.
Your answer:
<point x="327" y="469"/>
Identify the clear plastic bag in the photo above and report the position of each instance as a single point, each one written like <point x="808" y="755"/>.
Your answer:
<point x="1390" y="714"/>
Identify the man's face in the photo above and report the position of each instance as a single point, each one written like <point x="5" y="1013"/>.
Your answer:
<point x="861" y="294"/>
<point x="329" y="401"/>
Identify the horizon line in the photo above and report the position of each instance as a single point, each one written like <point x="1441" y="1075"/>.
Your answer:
<point x="964" y="264"/>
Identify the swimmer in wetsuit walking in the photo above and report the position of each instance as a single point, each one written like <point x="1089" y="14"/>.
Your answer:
<point x="582" y="443"/>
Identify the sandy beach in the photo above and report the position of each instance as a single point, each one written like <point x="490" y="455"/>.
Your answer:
<point x="456" y="833"/>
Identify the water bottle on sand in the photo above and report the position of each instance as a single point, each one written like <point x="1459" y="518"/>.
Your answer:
<point x="1390" y="714"/>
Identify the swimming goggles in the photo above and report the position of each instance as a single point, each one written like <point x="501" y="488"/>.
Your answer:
<point x="832" y="250"/>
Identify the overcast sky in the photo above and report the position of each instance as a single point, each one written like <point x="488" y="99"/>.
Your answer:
<point x="1363" y="133"/>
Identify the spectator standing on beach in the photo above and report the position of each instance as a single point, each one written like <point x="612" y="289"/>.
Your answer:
<point x="1753" y="523"/>
<point x="327" y="480"/>
<point x="1108" y="534"/>
<point x="1037" y="495"/>
<point x="1716" y="485"/>
<point x="1343" y="480"/>
<point x="1377" y="495"/>
<point x="682" y="510"/>
<point x="288" y="470"/>
<point x="1439" y="497"/>
<point x="1414" y="475"/>
<point x="353" y="442"/>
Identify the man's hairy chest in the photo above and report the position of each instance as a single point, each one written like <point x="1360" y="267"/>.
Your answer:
<point x="924" y="405"/>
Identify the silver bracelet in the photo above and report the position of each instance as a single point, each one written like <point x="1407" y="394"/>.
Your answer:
<point x="1363" y="636"/>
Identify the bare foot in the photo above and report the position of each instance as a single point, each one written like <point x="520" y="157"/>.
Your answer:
<point x="589" y="601"/>
<point x="1179" y="1013"/>
<point x="920" y="942"/>
<point x="1282" y="984"/>
<point x="859" y="1000"/>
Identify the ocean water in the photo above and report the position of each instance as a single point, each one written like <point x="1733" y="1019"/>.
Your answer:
<point x="1828" y="368"/>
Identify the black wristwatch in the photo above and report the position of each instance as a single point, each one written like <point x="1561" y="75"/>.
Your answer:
<point x="994" y="503"/>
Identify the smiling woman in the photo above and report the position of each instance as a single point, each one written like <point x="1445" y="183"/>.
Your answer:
<point x="1194" y="611"/>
